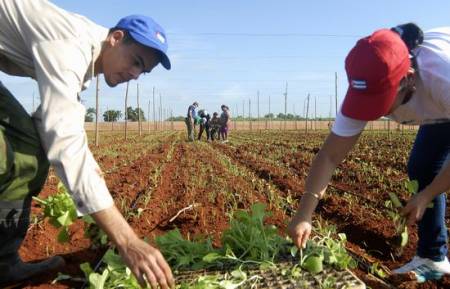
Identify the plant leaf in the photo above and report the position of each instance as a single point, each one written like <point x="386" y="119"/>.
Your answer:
<point x="211" y="257"/>
<point x="63" y="235"/>
<point x="97" y="281"/>
<point x="404" y="236"/>
<point x="313" y="264"/>
<point x="395" y="201"/>
<point x="412" y="186"/>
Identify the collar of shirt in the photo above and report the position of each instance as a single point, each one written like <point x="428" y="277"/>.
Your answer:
<point x="96" y="48"/>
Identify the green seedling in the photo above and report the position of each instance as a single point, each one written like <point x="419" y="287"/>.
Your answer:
<point x="401" y="229"/>
<point x="60" y="210"/>
<point x="246" y="244"/>
<point x="375" y="269"/>
<point x="250" y="239"/>
<point x="313" y="264"/>
<point x="185" y="254"/>
<point x="97" y="236"/>
<point x="395" y="201"/>
<point x="413" y="188"/>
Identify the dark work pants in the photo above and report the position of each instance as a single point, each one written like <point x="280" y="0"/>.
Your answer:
<point x="430" y="152"/>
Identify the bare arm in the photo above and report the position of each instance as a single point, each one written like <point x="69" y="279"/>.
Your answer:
<point x="139" y="256"/>
<point x="333" y="151"/>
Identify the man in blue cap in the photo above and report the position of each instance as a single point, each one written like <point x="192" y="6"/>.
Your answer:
<point x="62" y="51"/>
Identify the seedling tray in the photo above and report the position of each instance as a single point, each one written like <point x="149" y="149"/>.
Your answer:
<point x="274" y="279"/>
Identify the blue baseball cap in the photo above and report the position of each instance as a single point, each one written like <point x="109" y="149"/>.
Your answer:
<point x="147" y="32"/>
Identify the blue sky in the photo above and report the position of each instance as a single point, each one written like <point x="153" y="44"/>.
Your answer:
<point x="226" y="51"/>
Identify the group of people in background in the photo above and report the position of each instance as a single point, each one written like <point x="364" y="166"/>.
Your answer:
<point x="215" y="127"/>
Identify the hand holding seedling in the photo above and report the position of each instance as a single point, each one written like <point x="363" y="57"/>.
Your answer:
<point x="412" y="212"/>
<point x="415" y="208"/>
<point x="299" y="230"/>
<point x="144" y="261"/>
<point x="147" y="264"/>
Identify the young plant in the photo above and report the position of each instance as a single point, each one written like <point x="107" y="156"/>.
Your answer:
<point x="413" y="188"/>
<point x="114" y="275"/>
<point x="250" y="239"/>
<point x="375" y="269"/>
<point x="246" y="244"/>
<point x="60" y="210"/>
<point x="184" y="254"/>
<point x="323" y="249"/>
<point x="401" y="229"/>
<point x="97" y="236"/>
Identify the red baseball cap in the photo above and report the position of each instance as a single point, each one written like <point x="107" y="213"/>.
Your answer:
<point x="375" y="67"/>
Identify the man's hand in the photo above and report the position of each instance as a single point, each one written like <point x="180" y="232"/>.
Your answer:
<point x="147" y="264"/>
<point x="415" y="208"/>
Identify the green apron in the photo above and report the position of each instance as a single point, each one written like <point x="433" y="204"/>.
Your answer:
<point x="23" y="170"/>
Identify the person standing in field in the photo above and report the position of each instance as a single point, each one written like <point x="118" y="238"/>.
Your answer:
<point x="204" y="124"/>
<point x="403" y="74"/>
<point x="190" y="120"/>
<point x="62" y="51"/>
<point x="215" y="126"/>
<point x="224" y="122"/>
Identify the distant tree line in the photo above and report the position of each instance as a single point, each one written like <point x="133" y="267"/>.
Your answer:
<point x="280" y="116"/>
<point x="112" y="115"/>
<point x="132" y="115"/>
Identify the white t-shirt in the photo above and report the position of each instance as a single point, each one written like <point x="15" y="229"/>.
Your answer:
<point x="57" y="49"/>
<point x="431" y="100"/>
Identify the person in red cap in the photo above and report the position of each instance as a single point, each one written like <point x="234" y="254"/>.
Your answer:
<point x="403" y="74"/>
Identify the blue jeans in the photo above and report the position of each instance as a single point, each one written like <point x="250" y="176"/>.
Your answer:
<point x="430" y="151"/>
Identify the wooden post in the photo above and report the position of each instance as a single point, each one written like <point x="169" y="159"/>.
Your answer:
<point x="258" y="111"/>
<point x="165" y="114"/>
<point x="236" y="115"/>
<point x="270" y="116"/>
<point x="315" y="112"/>
<point x="307" y="112"/>
<point x="250" y="113"/>
<point x="160" y="112"/>
<point x="155" y="126"/>
<point x="126" y="111"/>
<point x="139" y="110"/>
<point x="266" y="118"/>
<point x="285" y="105"/>
<point x="295" y="119"/>
<point x="335" y="92"/>
<point x="243" y="112"/>
<point x="148" y="116"/>
<point x="96" y="112"/>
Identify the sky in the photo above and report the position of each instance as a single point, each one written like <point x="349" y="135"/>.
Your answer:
<point x="225" y="52"/>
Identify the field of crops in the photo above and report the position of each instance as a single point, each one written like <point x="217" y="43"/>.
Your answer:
<point x="160" y="182"/>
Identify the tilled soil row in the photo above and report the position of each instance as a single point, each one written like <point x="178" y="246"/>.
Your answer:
<point x="283" y="179"/>
<point x="207" y="186"/>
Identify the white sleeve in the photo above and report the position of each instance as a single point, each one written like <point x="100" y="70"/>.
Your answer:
<point x="439" y="84"/>
<point x="60" y="123"/>
<point x="346" y="126"/>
